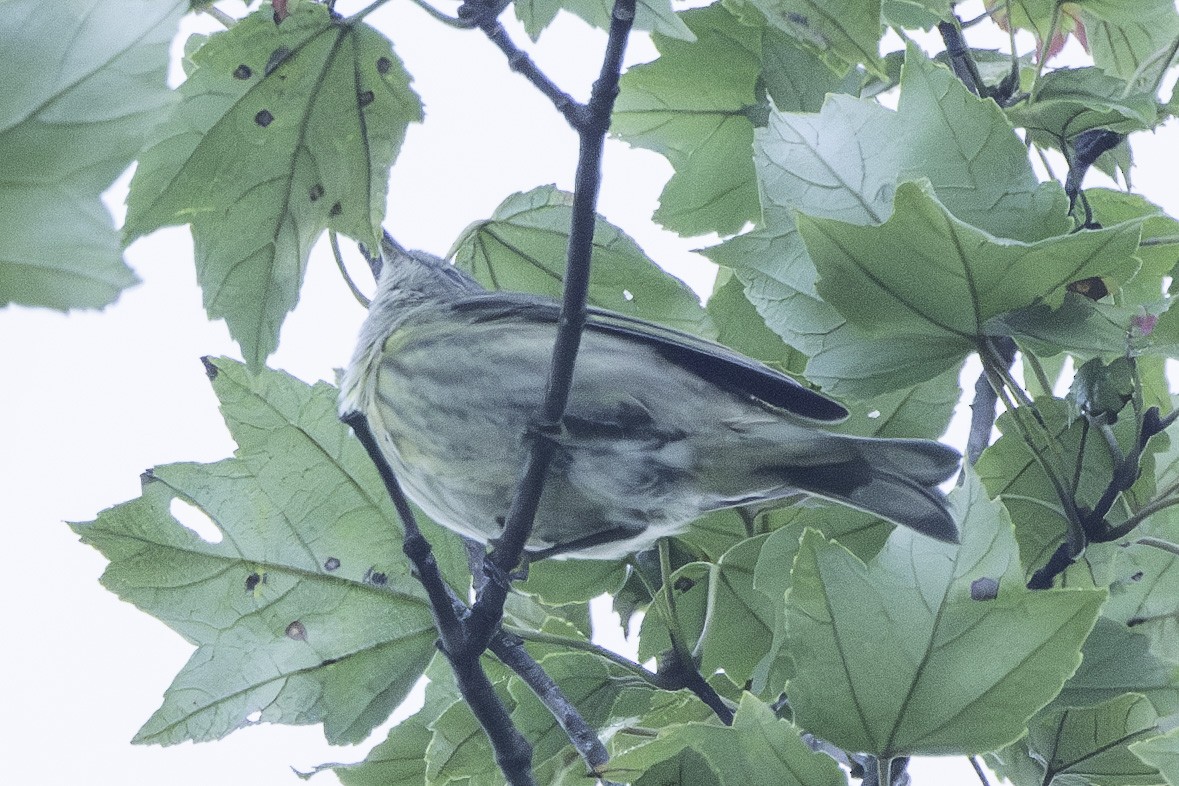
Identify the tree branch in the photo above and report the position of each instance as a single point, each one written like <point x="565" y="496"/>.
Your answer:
<point x="512" y="752"/>
<point x="484" y="14"/>
<point x="547" y="425"/>
<point x="509" y="648"/>
<point x="464" y="637"/>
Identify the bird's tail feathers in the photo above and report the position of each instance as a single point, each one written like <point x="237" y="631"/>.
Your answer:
<point x="901" y="497"/>
<point x="896" y="479"/>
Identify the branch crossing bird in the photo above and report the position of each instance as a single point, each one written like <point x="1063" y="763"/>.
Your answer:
<point x="661" y="426"/>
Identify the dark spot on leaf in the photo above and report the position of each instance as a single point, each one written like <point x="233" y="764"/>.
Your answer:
<point x="798" y="19"/>
<point x="683" y="584"/>
<point x="1137" y="576"/>
<point x="147" y="476"/>
<point x="242" y="72"/>
<point x="1093" y="288"/>
<point x="500" y="521"/>
<point x="331" y="564"/>
<point x="985" y="588"/>
<point x="383" y="65"/>
<point x="365" y="98"/>
<point x="276" y="58"/>
<point x="264" y="118"/>
<point x="252" y="581"/>
<point x="1135" y="621"/>
<point x="336" y="210"/>
<point x="375" y="577"/>
<point x="330" y="661"/>
<point x="210" y="369"/>
<point x="297" y="631"/>
<point x="316" y="191"/>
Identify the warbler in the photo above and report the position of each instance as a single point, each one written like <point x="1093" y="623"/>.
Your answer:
<point x="661" y="426"/>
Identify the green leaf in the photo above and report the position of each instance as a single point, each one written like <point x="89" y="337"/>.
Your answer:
<point x="923" y="272"/>
<point x="305" y="611"/>
<point x="1016" y="764"/>
<point x="85" y="84"/>
<point x="1084" y="328"/>
<point x="1161" y="753"/>
<point x="861" y="533"/>
<point x="522" y="248"/>
<point x="923" y="410"/>
<point x="653" y="15"/>
<point x="758" y="750"/>
<point x="1101" y="390"/>
<point x="282" y="131"/>
<point x="1112" y="207"/>
<point x="1011" y="471"/>
<point x="913" y="14"/>
<point x="1069" y="101"/>
<point x="848" y="30"/>
<point x="803" y="163"/>
<point x="688" y="768"/>
<point x="1144" y="588"/>
<point x="977" y="165"/>
<point x="797" y="80"/>
<point x="572" y="581"/>
<point x="1130" y="41"/>
<point x="896" y="658"/>
<point x="1116" y="660"/>
<point x="693" y="106"/>
<point x="814" y="164"/>
<point x="400" y="759"/>
<point x="1092" y="742"/>
<point x="740" y="326"/>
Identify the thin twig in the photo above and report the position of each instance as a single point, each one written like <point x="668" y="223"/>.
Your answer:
<point x="222" y="17"/>
<point x="576" y="114"/>
<point x="339" y="257"/>
<point x="1159" y="543"/>
<point x="582" y="645"/>
<point x="509" y="648"/>
<point x="978" y="770"/>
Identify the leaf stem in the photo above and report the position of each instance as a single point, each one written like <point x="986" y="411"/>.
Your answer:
<point x="978" y="770"/>
<point x="1159" y="543"/>
<point x="582" y="645"/>
<point x="334" y="241"/>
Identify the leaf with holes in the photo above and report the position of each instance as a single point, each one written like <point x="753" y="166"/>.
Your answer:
<point x="305" y="611"/>
<point x="282" y="131"/>
<point x="84" y="84"/>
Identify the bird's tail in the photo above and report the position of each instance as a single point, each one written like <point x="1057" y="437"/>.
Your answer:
<point x="896" y="479"/>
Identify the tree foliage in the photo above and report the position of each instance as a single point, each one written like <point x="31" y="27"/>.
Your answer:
<point x="869" y="247"/>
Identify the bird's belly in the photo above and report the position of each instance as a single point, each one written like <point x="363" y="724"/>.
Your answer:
<point x="460" y="463"/>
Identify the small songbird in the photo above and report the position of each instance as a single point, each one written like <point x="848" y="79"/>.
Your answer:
<point x="661" y="426"/>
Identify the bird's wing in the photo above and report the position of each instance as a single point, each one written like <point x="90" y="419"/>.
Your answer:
<point x="711" y="361"/>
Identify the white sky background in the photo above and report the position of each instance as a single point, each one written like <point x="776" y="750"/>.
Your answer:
<point x="92" y="399"/>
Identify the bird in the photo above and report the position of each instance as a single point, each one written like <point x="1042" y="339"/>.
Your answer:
<point x="661" y="427"/>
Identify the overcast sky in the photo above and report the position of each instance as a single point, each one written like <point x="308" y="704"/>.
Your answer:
<point x="92" y="399"/>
